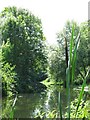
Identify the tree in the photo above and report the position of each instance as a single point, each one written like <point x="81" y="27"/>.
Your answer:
<point x="60" y="59"/>
<point x="56" y="64"/>
<point x="83" y="56"/>
<point x="27" y="45"/>
<point x="7" y="74"/>
<point x="63" y="39"/>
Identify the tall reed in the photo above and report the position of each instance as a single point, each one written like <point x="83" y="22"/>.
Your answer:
<point x="60" y="105"/>
<point x="70" y="74"/>
<point x="70" y="71"/>
<point x="82" y="91"/>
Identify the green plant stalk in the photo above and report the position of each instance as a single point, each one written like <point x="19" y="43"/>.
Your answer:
<point x="74" y="58"/>
<point x="12" y="114"/>
<point x="12" y="110"/>
<point x="82" y="91"/>
<point x="60" y="106"/>
<point x="71" y="44"/>
<point x="70" y="71"/>
<point x="68" y="90"/>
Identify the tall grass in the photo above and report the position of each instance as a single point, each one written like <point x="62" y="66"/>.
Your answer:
<point x="70" y="71"/>
<point x="12" y="109"/>
<point x="70" y="74"/>
<point x="82" y="91"/>
<point x="60" y="105"/>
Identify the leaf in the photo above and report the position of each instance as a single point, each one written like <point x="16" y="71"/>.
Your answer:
<point x="60" y="105"/>
<point x="75" y="56"/>
<point x="82" y="91"/>
<point x="71" y="43"/>
<point x="68" y="90"/>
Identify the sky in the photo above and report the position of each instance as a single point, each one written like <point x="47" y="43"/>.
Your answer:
<point x="53" y="13"/>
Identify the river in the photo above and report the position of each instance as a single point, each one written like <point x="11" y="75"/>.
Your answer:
<point x="38" y="104"/>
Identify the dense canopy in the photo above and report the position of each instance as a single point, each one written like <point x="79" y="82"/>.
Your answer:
<point x="23" y="45"/>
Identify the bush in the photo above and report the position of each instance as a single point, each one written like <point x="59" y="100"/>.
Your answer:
<point x="8" y="80"/>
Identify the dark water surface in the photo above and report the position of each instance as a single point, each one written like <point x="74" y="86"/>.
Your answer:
<point x="31" y="105"/>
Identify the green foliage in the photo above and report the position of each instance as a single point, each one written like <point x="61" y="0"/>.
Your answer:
<point x="8" y="108"/>
<point x="83" y="55"/>
<point x="60" y="105"/>
<point x="57" y="59"/>
<point x="7" y="72"/>
<point x="27" y="45"/>
<point x="56" y="65"/>
<point x="6" y="49"/>
<point x="52" y="115"/>
<point x="82" y="111"/>
<point x="73" y="71"/>
<point x="82" y="90"/>
<point x="70" y="73"/>
<point x="67" y="33"/>
<point x="8" y="79"/>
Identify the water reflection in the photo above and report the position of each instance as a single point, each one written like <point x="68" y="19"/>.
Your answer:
<point x="32" y="105"/>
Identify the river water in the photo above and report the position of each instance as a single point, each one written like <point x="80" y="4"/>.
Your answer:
<point x="42" y="103"/>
